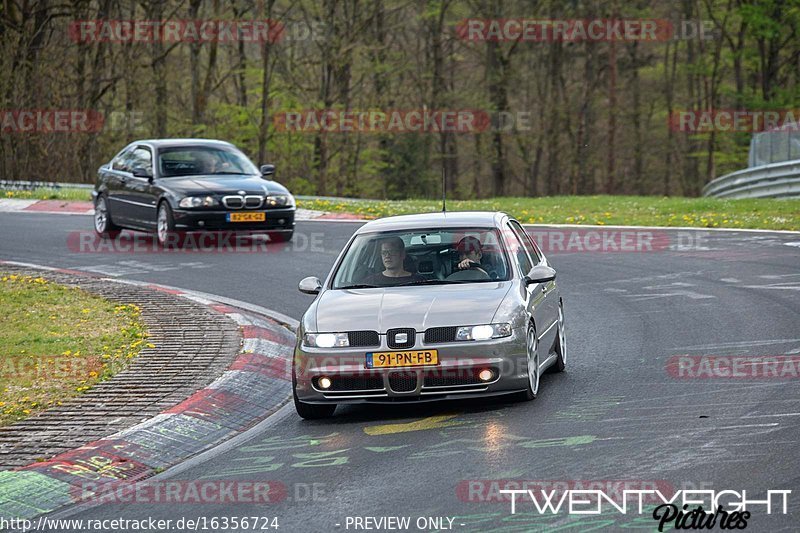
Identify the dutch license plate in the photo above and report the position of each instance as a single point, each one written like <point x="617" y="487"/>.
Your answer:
<point x="247" y="217"/>
<point x="407" y="358"/>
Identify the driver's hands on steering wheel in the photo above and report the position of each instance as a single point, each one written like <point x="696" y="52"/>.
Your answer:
<point x="468" y="263"/>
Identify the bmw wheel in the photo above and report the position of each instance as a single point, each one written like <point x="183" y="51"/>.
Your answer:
<point x="165" y="227"/>
<point x="103" y="224"/>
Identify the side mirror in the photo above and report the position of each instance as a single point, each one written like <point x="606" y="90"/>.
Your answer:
<point x="310" y="285"/>
<point x="268" y="171"/>
<point x="141" y="173"/>
<point x="540" y="274"/>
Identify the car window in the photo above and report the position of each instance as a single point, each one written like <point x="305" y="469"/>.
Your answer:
<point x="203" y="160"/>
<point x="517" y="249"/>
<point x="141" y="158"/>
<point x="121" y="161"/>
<point x="530" y="247"/>
<point x="422" y="256"/>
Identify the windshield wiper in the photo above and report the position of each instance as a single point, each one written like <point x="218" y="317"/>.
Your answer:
<point x="423" y="282"/>
<point x="233" y="173"/>
<point x="359" y="286"/>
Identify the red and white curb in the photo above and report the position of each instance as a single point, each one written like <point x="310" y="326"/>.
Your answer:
<point x="255" y="386"/>
<point x="63" y="207"/>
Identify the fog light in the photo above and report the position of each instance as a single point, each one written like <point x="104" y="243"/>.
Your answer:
<point x="324" y="383"/>
<point x="486" y="375"/>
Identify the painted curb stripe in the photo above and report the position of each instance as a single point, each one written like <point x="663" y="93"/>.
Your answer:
<point x="203" y="420"/>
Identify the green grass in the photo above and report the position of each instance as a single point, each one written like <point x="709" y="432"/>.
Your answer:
<point x="602" y="210"/>
<point x="57" y="341"/>
<point x="64" y="193"/>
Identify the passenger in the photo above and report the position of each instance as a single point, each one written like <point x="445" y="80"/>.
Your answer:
<point x="393" y="255"/>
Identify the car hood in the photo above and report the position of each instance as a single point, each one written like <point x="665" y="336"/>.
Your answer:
<point x="418" y="307"/>
<point x="229" y="184"/>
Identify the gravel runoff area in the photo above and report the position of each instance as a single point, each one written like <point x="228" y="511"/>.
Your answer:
<point x="215" y="371"/>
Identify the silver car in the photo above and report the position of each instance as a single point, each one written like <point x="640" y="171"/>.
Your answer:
<point x="429" y="307"/>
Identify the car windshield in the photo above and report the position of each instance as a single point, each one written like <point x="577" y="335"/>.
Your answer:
<point x="422" y="257"/>
<point x="202" y="160"/>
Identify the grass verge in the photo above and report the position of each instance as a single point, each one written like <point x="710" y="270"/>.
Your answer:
<point x="57" y="341"/>
<point x="601" y="210"/>
<point x="62" y="193"/>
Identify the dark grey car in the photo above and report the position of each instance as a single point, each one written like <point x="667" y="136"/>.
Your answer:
<point x="429" y="307"/>
<point x="174" y="186"/>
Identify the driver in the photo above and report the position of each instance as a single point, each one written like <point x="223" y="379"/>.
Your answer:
<point x="393" y="255"/>
<point x="470" y="254"/>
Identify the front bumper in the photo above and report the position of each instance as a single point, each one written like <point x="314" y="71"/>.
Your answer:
<point x="454" y="377"/>
<point x="198" y="220"/>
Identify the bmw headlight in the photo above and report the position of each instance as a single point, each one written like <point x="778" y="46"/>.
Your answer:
<point x="279" y="200"/>
<point x="326" y="340"/>
<point x="483" y="332"/>
<point x="198" y="201"/>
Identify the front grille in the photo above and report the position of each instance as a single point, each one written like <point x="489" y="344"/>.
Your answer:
<point x="391" y="338"/>
<point x="363" y="338"/>
<point x="443" y="334"/>
<point x="403" y="381"/>
<point x="449" y="378"/>
<point x="233" y="202"/>
<point x="252" y="201"/>
<point x="350" y="383"/>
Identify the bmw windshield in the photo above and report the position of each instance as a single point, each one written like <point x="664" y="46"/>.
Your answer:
<point x="419" y="257"/>
<point x="203" y="160"/>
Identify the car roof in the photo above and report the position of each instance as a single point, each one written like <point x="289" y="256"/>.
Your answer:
<point x="169" y="143"/>
<point x="453" y="219"/>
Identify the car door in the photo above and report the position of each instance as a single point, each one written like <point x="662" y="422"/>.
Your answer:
<point x="533" y="295"/>
<point x="549" y="289"/>
<point x="117" y="174"/>
<point x="140" y="193"/>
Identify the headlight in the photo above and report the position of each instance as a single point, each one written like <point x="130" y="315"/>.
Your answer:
<point x="279" y="200"/>
<point x="326" y="340"/>
<point x="483" y="332"/>
<point x="198" y="201"/>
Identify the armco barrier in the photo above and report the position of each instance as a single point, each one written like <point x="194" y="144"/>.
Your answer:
<point x="777" y="180"/>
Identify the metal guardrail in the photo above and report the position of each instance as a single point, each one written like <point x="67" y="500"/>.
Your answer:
<point x="777" y="180"/>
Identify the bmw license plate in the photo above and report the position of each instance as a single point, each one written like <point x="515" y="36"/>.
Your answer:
<point x="247" y="217"/>
<point x="407" y="358"/>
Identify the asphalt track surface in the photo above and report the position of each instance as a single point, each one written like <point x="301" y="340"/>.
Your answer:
<point x="615" y="414"/>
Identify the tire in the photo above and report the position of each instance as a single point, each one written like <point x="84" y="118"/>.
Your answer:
<point x="310" y="411"/>
<point x="103" y="224"/>
<point x="561" y="342"/>
<point x="166" y="236"/>
<point x="532" y="345"/>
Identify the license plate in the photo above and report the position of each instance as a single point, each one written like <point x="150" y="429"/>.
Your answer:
<point x="247" y="217"/>
<point x="408" y="358"/>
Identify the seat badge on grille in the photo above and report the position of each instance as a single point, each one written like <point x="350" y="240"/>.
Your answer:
<point x="401" y="338"/>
